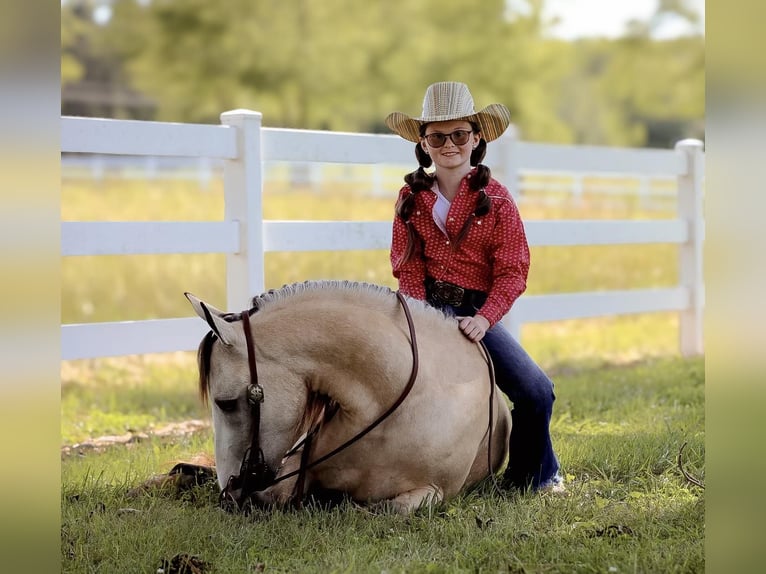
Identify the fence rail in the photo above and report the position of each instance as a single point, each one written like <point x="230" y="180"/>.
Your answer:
<point x="245" y="237"/>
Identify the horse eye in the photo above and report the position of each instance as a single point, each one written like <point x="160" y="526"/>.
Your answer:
<point x="226" y="406"/>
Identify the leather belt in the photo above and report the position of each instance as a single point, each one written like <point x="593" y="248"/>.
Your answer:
<point x="446" y="293"/>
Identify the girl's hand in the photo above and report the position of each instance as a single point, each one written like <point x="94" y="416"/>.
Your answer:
<point x="474" y="327"/>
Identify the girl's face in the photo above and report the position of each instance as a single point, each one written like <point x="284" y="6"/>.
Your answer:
<point x="450" y="143"/>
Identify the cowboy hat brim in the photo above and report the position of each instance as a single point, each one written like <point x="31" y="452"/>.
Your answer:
<point x="492" y="121"/>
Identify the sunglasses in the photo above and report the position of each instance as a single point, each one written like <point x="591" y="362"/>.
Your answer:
<point x="458" y="137"/>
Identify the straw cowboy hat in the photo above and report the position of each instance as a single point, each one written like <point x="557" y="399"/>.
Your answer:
<point x="446" y="101"/>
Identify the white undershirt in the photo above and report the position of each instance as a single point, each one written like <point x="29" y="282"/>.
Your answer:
<point x="440" y="210"/>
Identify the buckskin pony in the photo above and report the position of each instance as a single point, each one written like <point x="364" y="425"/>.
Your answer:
<point x="348" y="388"/>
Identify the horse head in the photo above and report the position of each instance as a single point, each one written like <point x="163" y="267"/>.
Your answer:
<point x="224" y="380"/>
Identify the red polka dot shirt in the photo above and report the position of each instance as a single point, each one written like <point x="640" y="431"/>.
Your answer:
<point x="493" y="257"/>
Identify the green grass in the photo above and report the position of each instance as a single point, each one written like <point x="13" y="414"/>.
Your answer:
<point x="617" y="431"/>
<point x="118" y="396"/>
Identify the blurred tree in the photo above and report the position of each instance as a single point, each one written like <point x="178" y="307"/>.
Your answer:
<point x="532" y="67"/>
<point x="335" y="64"/>
<point x="93" y="77"/>
<point x="343" y="65"/>
<point x="635" y="91"/>
<point x="681" y="9"/>
<point x="302" y="63"/>
<point x="659" y="88"/>
<point x="74" y="28"/>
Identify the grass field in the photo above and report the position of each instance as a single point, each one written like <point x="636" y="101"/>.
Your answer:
<point x="617" y="431"/>
<point x="626" y="403"/>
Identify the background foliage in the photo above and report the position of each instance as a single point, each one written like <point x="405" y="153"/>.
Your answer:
<point x="343" y="65"/>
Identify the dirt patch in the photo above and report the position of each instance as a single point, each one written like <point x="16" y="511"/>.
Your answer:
<point x="101" y="443"/>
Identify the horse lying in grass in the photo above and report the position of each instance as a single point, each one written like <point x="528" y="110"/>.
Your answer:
<point x="348" y="388"/>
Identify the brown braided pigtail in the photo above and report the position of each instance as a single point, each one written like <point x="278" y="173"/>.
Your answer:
<point x="479" y="183"/>
<point x="424" y="160"/>
<point x="479" y="152"/>
<point x="480" y="179"/>
<point x="418" y="181"/>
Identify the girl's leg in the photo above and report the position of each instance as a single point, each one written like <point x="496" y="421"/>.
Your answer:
<point x="532" y="461"/>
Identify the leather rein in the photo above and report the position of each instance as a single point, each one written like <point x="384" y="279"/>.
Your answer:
<point x="255" y="474"/>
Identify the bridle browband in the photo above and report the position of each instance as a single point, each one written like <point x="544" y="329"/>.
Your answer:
<point x="255" y="474"/>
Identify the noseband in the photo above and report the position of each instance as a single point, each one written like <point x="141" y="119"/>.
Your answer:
<point x="254" y="474"/>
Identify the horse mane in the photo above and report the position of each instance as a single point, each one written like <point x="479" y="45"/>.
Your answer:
<point x="287" y="291"/>
<point x="264" y="300"/>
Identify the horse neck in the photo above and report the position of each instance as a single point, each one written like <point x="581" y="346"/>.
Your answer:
<point x="358" y="356"/>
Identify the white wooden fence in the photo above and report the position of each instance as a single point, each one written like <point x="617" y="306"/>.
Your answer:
<point x="652" y="191"/>
<point x="244" y="236"/>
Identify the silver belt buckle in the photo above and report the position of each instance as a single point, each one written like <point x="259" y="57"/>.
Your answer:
<point x="448" y="293"/>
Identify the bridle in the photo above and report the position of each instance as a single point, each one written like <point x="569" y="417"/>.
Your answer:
<point x="255" y="474"/>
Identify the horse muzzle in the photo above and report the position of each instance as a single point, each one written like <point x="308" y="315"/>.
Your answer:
<point x="241" y="491"/>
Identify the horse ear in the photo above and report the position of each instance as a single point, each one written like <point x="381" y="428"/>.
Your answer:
<point x="214" y="318"/>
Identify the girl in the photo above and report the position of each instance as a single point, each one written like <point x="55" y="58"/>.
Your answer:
<point x="459" y="244"/>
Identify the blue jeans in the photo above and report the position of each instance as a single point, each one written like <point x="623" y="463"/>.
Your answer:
<point x="532" y="461"/>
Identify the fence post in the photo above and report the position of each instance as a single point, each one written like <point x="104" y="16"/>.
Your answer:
<point x="509" y="143"/>
<point x="243" y="185"/>
<point x="578" y="188"/>
<point x="513" y="324"/>
<point x="510" y="160"/>
<point x="378" y="188"/>
<point x="690" y="202"/>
